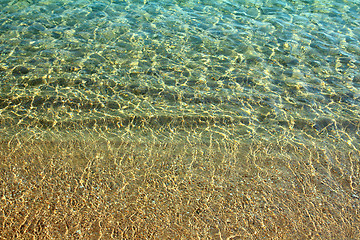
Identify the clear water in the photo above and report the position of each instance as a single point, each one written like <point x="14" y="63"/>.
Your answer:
<point x="222" y="69"/>
<point x="151" y="119"/>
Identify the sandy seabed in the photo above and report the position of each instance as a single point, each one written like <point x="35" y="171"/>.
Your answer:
<point x="95" y="188"/>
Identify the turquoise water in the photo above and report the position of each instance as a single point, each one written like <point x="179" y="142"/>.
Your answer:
<point x="203" y="69"/>
<point x="152" y="119"/>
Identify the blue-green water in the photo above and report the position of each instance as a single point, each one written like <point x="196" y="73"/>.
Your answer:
<point x="210" y="119"/>
<point x="228" y="69"/>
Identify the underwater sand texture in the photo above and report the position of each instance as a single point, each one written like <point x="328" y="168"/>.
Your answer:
<point x="179" y="119"/>
<point x="124" y="190"/>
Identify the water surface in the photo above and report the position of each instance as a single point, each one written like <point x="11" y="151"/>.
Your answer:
<point x="234" y="104"/>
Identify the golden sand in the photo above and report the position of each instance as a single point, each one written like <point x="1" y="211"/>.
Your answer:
<point x="102" y="189"/>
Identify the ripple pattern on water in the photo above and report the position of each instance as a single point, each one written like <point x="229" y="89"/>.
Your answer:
<point x="267" y="66"/>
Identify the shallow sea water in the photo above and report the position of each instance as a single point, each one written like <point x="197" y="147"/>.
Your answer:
<point x="232" y="69"/>
<point x="183" y="71"/>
